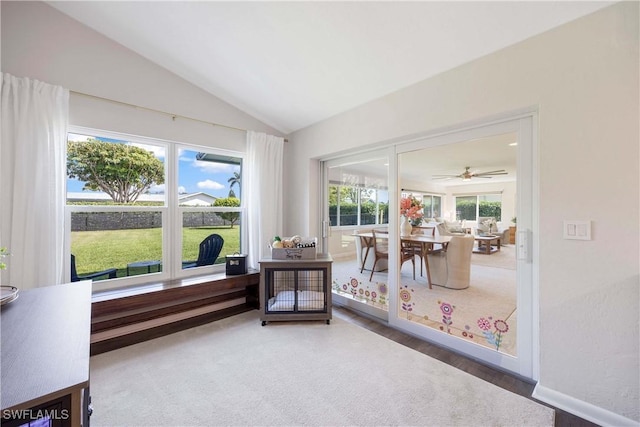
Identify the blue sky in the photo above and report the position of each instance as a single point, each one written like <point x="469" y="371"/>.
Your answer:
<point x="193" y="175"/>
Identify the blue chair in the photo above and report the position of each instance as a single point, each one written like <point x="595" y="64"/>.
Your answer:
<point x="210" y="248"/>
<point x="111" y="273"/>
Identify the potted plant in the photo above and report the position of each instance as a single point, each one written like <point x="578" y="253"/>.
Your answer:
<point x="512" y="231"/>
<point x="3" y="253"/>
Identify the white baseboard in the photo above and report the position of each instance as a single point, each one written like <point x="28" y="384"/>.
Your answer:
<point x="580" y="408"/>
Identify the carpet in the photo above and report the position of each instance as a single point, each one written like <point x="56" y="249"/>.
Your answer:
<point x="235" y="372"/>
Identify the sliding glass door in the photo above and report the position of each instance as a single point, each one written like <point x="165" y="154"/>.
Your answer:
<point x="477" y="297"/>
<point x="356" y="202"/>
<point x="469" y="282"/>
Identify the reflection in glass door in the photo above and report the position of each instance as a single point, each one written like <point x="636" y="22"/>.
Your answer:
<point x="357" y="202"/>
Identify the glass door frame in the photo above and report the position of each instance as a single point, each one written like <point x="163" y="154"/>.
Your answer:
<point x="526" y="362"/>
<point x="524" y="123"/>
<point x="386" y="154"/>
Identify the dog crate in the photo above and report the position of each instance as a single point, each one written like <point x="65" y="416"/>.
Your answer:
<point x="295" y="289"/>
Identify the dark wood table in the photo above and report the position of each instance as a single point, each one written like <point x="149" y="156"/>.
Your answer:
<point x="426" y="243"/>
<point x="45" y="354"/>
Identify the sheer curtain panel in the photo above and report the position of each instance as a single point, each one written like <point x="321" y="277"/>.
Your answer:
<point x="264" y="187"/>
<point x="32" y="170"/>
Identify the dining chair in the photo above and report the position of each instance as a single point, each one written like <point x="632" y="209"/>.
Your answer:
<point x="417" y="247"/>
<point x="381" y="251"/>
<point x="452" y="268"/>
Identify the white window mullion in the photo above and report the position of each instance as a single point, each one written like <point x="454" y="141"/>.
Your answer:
<point x="172" y="232"/>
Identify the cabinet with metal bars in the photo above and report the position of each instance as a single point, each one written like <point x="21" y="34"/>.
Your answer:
<point x="295" y="289"/>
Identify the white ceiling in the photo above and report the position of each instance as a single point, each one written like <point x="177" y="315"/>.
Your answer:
<point x="292" y="64"/>
<point x="493" y="153"/>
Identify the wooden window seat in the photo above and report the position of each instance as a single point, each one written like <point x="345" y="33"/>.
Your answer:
<point x="126" y="316"/>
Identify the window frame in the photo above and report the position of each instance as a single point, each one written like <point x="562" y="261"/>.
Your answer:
<point x="171" y="211"/>
<point x="358" y="191"/>
<point x="477" y="207"/>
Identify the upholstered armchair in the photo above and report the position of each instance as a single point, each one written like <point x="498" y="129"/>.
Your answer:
<point x="452" y="268"/>
<point x="496" y="230"/>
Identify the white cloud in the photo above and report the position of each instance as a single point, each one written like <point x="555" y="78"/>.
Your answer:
<point x="76" y="137"/>
<point x="210" y="185"/>
<point x="182" y="190"/>
<point x="213" y="167"/>
<point x="157" y="189"/>
<point x="159" y="152"/>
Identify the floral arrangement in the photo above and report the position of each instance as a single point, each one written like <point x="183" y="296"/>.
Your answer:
<point x="411" y="208"/>
<point x="490" y="224"/>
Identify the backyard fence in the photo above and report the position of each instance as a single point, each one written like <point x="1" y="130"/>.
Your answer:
<point x="97" y="221"/>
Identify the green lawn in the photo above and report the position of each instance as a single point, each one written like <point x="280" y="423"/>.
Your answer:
<point x="100" y="250"/>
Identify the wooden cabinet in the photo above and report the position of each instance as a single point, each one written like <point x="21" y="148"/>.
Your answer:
<point x="512" y="235"/>
<point x="45" y="355"/>
<point x="295" y="289"/>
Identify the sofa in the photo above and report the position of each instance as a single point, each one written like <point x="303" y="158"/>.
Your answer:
<point x="450" y="228"/>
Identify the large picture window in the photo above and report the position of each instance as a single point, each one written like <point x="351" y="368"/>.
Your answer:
<point x="354" y="206"/>
<point x="481" y="205"/>
<point x="139" y="207"/>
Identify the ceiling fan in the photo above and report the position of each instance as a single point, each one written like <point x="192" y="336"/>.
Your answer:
<point x="467" y="174"/>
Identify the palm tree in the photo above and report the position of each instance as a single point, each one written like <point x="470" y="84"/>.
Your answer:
<point x="235" y="179"/>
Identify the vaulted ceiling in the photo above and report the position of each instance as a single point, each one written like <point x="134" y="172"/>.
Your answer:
<point x="292" y="64"/>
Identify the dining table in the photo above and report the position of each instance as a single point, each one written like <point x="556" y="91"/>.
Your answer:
<point x="426" y="245"/>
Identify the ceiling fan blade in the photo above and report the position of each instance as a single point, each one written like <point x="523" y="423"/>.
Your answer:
<point x="497" y="172"/>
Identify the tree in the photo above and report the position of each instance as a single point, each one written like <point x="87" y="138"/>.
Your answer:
<point x="230" y="202"/>
<point x="122" y="171"/>
<point x="234" y="180"/>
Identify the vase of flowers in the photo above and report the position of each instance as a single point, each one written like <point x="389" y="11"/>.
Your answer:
<point x="411" y="212"/>
<point x="405" y="227"/>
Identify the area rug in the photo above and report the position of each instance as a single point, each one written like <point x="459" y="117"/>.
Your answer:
<point x="235" y="372"/>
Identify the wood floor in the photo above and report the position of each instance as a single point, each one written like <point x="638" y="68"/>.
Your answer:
<point x="475" y="368"/>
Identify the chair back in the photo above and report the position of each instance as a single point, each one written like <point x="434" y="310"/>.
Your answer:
<point x="209" y="250"/>
<point x="425" y="230"/>
<point x="458" y="255"/>
<point x="74" y="273"/>
<point x="381" y="245"/>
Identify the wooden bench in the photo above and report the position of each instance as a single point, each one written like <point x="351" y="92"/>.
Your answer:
<point x="126" y="316"/>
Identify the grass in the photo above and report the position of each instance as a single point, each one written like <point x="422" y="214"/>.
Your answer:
<point x="100" y="250"/>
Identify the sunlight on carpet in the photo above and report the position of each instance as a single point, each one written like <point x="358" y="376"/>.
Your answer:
<point x="236" y="372"/>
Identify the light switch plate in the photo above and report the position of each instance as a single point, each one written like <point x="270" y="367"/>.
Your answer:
<point x="576" y="230"/>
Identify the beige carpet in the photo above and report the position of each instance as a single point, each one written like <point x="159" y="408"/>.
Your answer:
<point x="235" y="372"/>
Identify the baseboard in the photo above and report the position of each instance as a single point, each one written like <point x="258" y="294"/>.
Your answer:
<point x="580" y="408"/>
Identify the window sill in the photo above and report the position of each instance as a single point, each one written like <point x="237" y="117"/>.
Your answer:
<point x="125" y="316"/>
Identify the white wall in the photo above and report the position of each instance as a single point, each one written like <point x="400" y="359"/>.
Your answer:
<point x="41" y="43"/>
<point x="583" y="79"/>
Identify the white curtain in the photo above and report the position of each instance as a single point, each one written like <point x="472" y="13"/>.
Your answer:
<point x="34" y="117"/>
<point x="264" y="178"/>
